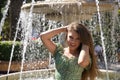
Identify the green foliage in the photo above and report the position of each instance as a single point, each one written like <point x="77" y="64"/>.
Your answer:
<point x="34" y="51"/>
<point x="2" y="4"/>
<point x="119" y="12"/>
<point x="6" y="24"/>
<point x="5" y="31"/>
<point x="5" y="51"/>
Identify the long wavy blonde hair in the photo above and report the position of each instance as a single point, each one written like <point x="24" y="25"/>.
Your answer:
<point x="86" y="38"/>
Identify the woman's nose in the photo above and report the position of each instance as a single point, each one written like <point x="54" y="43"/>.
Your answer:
<point x="73" y="41"/>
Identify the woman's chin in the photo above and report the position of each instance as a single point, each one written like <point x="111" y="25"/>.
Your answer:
<point x="72" y="48"/>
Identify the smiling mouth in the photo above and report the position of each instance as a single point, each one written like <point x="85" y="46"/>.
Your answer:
<point x="72" y="45"/>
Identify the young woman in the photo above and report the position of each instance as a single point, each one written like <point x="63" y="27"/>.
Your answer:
<point x="76" y="61"/>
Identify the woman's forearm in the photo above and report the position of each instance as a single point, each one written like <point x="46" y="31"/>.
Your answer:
<point x="84" y="57"/>
<point x="51" y="33"/>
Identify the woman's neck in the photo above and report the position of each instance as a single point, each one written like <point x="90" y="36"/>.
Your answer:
<point x="73" y="52"/>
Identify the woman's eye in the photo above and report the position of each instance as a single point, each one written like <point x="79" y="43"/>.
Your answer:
<point x="70" y="37"/>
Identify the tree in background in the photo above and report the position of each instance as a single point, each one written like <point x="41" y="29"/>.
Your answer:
<point x="14" y="11"/>
<point x="11" y="20"/>
<point x="5" y="30"/>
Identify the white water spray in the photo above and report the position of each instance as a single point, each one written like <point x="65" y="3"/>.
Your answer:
<point x="102" y="38"/>
<point x="27" y="35"/>
<point x="13" y="46"/>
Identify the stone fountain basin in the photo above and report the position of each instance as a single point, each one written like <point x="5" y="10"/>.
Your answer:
<point x="48" y="74"/>
<point x="30" y="75"/>
<point x="113" y="75"/>
<point x="41" y="70"/>
<point x="54" y="7"/>
<point x="16" y="66"/>
<point x="66" y="9"/>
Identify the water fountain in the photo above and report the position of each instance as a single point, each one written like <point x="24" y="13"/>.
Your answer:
<point x="55" y="11"/>
<point x="68" y="11"/>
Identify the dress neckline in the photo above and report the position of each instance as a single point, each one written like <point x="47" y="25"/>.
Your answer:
<point x="71" y="58"/>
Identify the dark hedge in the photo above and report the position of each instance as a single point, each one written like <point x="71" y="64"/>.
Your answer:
<point x="34" y="51"/>
<point x="5" y="51"/>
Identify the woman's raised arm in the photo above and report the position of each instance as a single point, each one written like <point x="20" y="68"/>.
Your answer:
<point x="47" y="35"/>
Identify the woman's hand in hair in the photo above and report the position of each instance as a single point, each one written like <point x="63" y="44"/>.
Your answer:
<point x="84" y="57"/>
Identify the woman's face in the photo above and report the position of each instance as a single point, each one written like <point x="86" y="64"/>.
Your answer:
<point x="73" y="40"/>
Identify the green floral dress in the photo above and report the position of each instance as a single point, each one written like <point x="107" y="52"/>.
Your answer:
<point x="66" y="69"/>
